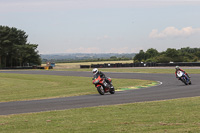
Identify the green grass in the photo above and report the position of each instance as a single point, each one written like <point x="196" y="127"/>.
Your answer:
<point x="135" y="70"/>
<point x="150" y="70"/>
<point x="171" y="116"/>
<point x="15" y="87"/>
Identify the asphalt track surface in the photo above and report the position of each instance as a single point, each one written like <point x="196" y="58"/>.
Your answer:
<point x="170" y="88"/>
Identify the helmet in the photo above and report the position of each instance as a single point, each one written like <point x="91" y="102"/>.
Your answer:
<point x="177" y="67"/>
<point x="95" y="71"/>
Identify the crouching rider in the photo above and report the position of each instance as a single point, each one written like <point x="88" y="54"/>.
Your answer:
<point x="179" y="69"/>
<point x="95" y="71"/>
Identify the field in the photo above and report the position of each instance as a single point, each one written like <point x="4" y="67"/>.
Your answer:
<point x="152" y="70"/>
<point x="15" y="87"/>
<point x="136" y="70"/>
<point x="170" y="116"/>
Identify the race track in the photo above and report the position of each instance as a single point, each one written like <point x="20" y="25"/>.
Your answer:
<point x="170" y="88"/>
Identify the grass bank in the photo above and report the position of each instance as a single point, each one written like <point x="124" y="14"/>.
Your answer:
<point x="152" y="70"/>
<point x="137" y="70"/>
<point x="171" y="116"/>
<point x="15" y="87"/>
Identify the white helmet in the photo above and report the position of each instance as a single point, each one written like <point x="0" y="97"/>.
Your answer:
<point x="177" y="67"/>
<point x="95" y="71"/>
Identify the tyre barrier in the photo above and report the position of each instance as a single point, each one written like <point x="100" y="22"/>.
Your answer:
<point x="148" y="64"/>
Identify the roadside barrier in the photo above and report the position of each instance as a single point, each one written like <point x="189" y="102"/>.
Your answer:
<point x="148" y="64"/>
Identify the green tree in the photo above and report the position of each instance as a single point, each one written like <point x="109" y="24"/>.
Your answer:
<point x="198" y="54"/>
<point x="14" y="48"/>
<point x="113" y="58"/>
<point x="163" y="59"/>
<point x="181" y="55"/>
<point x="150" y="53"/>
<point x="190" y="54"/>
<point x="171" y="52"/>
<point x="140" y="56"/>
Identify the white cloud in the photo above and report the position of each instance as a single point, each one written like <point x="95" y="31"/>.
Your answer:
<point x="174" y="32"/>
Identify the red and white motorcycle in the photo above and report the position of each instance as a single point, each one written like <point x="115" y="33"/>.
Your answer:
<point x="184" y="78"/>
<point x="102" y="86"/>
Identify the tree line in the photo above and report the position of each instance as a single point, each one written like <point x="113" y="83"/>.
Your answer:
<point x="15" y="50"/>
<point x="186" y="54"/>
<point x="112" y="58"/>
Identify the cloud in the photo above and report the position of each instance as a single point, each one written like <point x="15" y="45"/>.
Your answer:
<point x="174" y="32"/>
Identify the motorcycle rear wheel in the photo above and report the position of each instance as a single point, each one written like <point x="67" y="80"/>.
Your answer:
<point x="100" y="90"/>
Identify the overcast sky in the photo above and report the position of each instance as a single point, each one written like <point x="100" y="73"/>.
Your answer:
<point x="104" y="26"/>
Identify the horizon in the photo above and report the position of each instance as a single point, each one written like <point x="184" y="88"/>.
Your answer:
<point x="86" y="53"/>
<point x="118" y="53"/>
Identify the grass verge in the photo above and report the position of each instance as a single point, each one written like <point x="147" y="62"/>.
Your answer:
<point x="171" y="116"/>
<point x="150" y="70"/>
<point x="15" y="87"/>
<point x="135" y="70"/>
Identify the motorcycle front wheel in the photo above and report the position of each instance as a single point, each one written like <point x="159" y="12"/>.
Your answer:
<point x="184" y="81"/>
<point x="100" y="90"/>
<point x="112" y="91"/>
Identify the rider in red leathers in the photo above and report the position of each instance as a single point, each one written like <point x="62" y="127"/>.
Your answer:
<point x="95" y="71"/>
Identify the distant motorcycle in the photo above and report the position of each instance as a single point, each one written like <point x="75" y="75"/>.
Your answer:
<point x="102" y="86"/>
<point x="184" y="78"/>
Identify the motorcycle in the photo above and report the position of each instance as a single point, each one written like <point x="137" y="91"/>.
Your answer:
<point x="184" y="78"/>
<point x="102" y="86"/>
